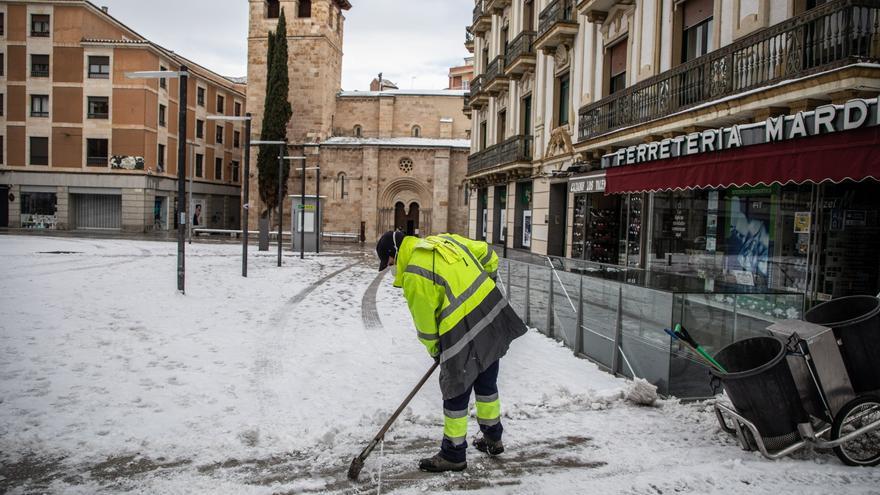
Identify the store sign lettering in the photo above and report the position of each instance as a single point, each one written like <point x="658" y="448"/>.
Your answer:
<point x="826" y="119"/>
<point x="588" y="185"/>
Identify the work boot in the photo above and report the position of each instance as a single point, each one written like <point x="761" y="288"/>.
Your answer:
<point x="438" y="464"/>
<point x="489" y="446"/>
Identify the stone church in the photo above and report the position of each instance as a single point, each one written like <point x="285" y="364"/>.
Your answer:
<point x="388" y="158"/>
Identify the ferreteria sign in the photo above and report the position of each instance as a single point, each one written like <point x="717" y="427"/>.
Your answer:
<point x="826" y="119"/>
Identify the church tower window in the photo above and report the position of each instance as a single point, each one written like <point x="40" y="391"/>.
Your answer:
<point x="416" y="131"/>
<point x="273" y="10"/>
<point x="358" y="131"/>
<point x="305" y="8"/>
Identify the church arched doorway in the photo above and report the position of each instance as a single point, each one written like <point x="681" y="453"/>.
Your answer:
<point x="407" y="219"/>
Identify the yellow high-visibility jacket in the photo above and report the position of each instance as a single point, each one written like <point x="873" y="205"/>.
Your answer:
<point x="459" y="313"/>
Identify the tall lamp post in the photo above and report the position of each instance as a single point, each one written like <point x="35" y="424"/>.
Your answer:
<point x="246" y="181"/>
<point x="183" y="76"/>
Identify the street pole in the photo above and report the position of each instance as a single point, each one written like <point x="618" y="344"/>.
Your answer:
<point x="246" y="183"/>
<point x="302" y="224"/>
<point x="318" y="211"/>
<point x="181" y="179"/>
<point x="192" y="172"/>
<point x="280" y="199"/>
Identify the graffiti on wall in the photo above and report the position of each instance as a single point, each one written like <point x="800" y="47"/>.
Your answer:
<point x="35" y="221"/>
<point x="127" y="162"/>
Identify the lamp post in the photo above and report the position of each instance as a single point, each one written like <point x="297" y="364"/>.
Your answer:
<point x="183" y="77"/>
<point x="246" y="181"/>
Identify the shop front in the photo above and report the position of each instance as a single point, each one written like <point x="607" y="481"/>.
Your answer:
<point x="787" y="204"/>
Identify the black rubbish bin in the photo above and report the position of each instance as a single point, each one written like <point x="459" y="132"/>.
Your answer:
<point x="761" y="387"/>
<point x="856" y="324"/>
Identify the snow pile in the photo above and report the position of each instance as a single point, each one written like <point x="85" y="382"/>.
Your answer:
<point x="641" y="392"/>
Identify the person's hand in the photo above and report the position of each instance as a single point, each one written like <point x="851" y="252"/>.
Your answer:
<point x="436" y="359"/>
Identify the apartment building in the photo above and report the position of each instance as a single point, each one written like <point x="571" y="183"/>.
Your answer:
<point x="85" y="147"/>
<point x="730" y="141"/>
<point x="460" y="76"/>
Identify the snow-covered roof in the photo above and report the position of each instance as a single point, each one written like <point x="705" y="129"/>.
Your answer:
<point x="402" y="142"/>
<point x="407" y="92"/>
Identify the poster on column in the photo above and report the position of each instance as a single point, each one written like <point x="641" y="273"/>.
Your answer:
<point x="527" y="228"/>
<point x="749" y="232"/>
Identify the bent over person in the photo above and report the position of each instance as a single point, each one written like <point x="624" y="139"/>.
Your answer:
<point x="464" y="322"/>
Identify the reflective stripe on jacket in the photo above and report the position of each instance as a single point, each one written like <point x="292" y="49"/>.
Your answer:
<point x="448" y="283"/>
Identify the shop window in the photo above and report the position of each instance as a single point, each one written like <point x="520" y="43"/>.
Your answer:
<point x="160" y="158"/>
<point x="39" y="151"/>
<point x="162" y="111"/>
<point x="40" y="26"/>
<point x="616" y="62"/>
<point x="39" y="66"/>
<point x="99" y="107"/>
<point x="273" y="9"/>
<point x="221" y="104"/>
<point x="219" y="134"/>
<point x="200" y="165"/>
<point x="97" y="152"/>
<point x="99" y="67"/>
<point x="234" y="171"/>
<point x="218" y="169"/>
<point x="499" y="220"/>
<point x="163" y="82"/>
<point x="416" y="131"/>
<point x="200" y="96"/>
<point x="236" y="139"/>
<point x="38" y="203"/>
<point x="305" y="8"/>
<point x="522" y="229"/>
<point x="563" y="99"/>
<point x="200" y="129"/>
<point x="39" y="105"/>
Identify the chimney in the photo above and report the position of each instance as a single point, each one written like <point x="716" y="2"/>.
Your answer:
<point x="106" y="9"/>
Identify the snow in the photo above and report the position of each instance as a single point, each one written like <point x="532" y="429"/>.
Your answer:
<point x="111" y="382"/>
<point x="400" y="141"/>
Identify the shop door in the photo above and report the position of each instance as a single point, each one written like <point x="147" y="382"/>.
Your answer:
<point x="4" y="206"/>
<point x="97" y="211"/>
<point x="558" y="213"/>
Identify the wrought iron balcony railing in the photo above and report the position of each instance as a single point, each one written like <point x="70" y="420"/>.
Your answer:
<point x="495" y="69"/>
<point x="832" y="35"/>
<point x="558" y="11"/>
<point x="524" y="44"/>
<point x="517" y="149"/>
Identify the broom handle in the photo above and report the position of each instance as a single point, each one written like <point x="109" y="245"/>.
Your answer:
<point x="379" y="436"/>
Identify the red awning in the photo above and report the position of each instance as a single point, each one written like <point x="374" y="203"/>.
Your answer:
<point x="834" y="157"/>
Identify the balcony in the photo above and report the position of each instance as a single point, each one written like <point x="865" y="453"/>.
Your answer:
<point x="496" y="6"/>
<point x="482" y="19"/>
<point x="520" y="56"/>
<point x="469" y="40"/>
<point x="830" y="36"/>
<point x="495" y="79"/>
<point x="557" y="25"/>
<point x="478" y="97"/>
<point x="513" y="154"/>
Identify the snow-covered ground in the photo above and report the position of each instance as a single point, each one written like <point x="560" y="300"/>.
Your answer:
<point x="112" y="382"/>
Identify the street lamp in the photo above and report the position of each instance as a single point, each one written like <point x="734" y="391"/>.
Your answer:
<point x="283" y="145"/>
<point x="183" y="76"/>
<point x="246" y="180"/>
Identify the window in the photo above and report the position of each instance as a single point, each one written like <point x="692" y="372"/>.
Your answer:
<point x="236" y="139"/>
<point x="162" y="115"/>
<point x="1" y="150"/>
<point x="39" y="66"/>
<point x="2" y="24"/>
<point x="200" y="160"/>
<point x="163" y="83"/>
<point x="220" y="130"/>
<point x="305" y="8"/>
<point x="234" y="171"/>
<point x="99" y="107"/>
<point x="529" y="16"/>
<point x="160" y="158"/>
<point x="358" y="131"/>
<point x="40" y="26"/>
<point x="273" y="10"/>
<point x="39" y="151"/>
<point x="617" y="64"/>
<point x="36" y="203"/>
<point x="416" y="131"/>
<point x="237" y="111"/>
<point x="696" y="29"/>
<point x="200" y="129"/>
<point x="39" y="105"/>
<point x="200" y="97"/>
<point x="2" y="105"/>
<point x="406" y="165"/>
<point x="563" y="100"/>
<point x="218" y="169"/>
<point x="2" y="65"/>
<point x="341" y="191"/>
<point x="221" y="104"/>
<point x="99" y="67"/>
<point x="482" y="135"/>
<point x="502" y="126"/>
<point x="97" y="152"/>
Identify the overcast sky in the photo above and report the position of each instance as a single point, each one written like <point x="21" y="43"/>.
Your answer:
<point x="413" y="42"/>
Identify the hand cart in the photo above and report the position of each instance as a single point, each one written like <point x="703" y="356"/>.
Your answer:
<point x="834" y="414"/>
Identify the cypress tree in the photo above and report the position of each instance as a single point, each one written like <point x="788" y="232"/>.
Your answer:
<point x="276" y="115"/>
